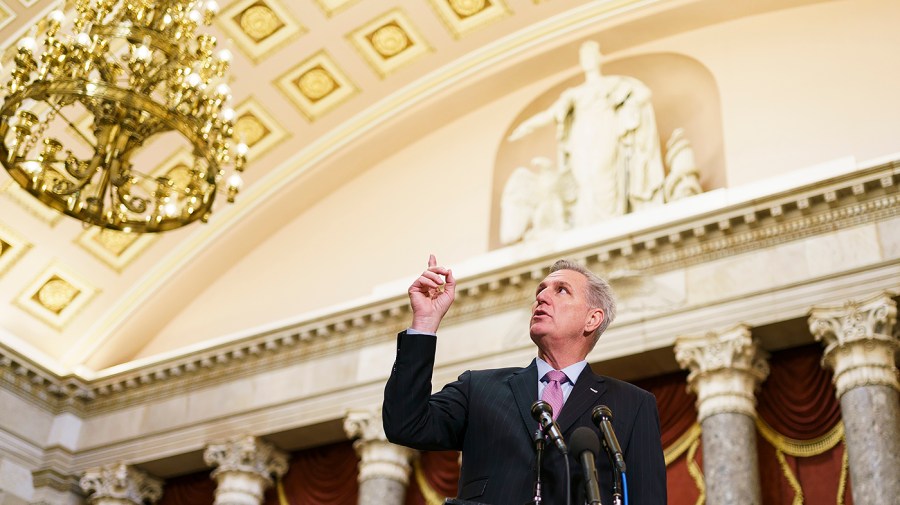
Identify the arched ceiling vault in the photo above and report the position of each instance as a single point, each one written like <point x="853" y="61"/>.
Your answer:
<point x="462" y="56"/>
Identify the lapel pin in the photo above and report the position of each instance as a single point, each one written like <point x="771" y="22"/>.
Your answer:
<point x="592" y="389"/>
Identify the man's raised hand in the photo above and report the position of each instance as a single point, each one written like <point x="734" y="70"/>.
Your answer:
<point x="430" y="296"/>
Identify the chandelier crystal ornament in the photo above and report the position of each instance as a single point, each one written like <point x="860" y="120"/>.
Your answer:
<point x="100" y="94"/>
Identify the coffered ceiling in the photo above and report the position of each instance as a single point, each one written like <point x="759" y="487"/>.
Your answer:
<point x="315" y="83"/>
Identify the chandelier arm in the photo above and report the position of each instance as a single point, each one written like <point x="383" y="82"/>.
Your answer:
<point x="72" y="125"/>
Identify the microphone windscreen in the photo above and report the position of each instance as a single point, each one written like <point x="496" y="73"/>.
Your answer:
<point x="584" y="439"/>
<point x="541" y="407"/>
<point x="599" y="412"/>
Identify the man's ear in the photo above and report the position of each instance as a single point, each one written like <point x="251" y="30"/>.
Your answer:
<point x="594" y="320"/>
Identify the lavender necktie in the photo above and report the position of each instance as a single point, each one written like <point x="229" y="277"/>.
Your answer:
<point x="553" y="393"/>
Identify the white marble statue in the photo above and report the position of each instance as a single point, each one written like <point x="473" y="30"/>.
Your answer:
<point x="607" y="138"/>
<point x="535" y="204"/>
<point x="683" y="179"/>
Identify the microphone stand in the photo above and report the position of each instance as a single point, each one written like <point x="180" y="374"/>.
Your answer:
<point x="539" y="451"/>
<point x="616" y="479"/>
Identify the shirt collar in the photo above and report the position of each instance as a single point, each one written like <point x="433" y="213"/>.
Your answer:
<point x="572" y="371"/>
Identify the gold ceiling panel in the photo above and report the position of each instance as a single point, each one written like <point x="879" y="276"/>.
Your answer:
<point x="259" y="27"/>
<point x="31" y="204"/>
<point x="462" y="16"/>
<point x="115" y="248"/>
<point x="55" y="296"/>
<point x="7" y="14"/>
<point x="12" y="247"/>
<point x="316" y="85"/>
<point x="389" y="42"/>
<point x="332" y="7"/>
<point x="257" y="128"/>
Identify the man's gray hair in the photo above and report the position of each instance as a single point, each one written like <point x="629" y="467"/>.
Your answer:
<point x="599" y="294"/>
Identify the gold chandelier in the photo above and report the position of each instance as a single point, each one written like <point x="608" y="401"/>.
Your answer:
<point x="112" y="77"/>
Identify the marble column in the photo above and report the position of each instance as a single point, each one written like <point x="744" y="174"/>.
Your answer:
<point x="860" y="345"/>
<point x="120" y="484"/>
<point x="725" y="369"/>
<point x="383" y="467"/>
<point x="245" y="466"/>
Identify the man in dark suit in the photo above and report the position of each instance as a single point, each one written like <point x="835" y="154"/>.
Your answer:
<point x="486" y="414"/>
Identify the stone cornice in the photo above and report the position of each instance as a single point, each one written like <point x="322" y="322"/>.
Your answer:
<point x="717" y="224"/>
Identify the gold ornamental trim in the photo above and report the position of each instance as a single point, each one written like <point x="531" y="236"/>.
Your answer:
<point x="804" y="449"/>
<point x="682" y="445"/>
<point x="801" y="448"/>
<point x="696" y="472"/>
<point x="431" y="496"/>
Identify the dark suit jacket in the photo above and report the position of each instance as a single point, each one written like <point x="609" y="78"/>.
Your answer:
<point x="486" y="414"/>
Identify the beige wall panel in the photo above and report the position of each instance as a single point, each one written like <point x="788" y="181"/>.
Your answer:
<point x="432" y="197"/>
<point x="802" y="86"/>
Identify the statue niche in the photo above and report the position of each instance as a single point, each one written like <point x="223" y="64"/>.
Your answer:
<point x="608" y="159"/>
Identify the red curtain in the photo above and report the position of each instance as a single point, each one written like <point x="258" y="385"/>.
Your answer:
<point x="798" y="401"/>
<point x="677" y="414"/>
<point x="320" y="476"/>
<point x="194" y="489"/>
<point x="441" y="473"/>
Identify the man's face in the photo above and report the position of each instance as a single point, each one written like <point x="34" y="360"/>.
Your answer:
<point x="561" y="309"/>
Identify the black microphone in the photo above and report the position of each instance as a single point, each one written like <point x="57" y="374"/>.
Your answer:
<point x="586" y="445"/>
<point x="602" y="417"/>
<point x="542" y="412"/>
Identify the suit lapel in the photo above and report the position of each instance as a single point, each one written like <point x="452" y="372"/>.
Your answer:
<point x="588" y="389"/>
<point x="524" y="388"/>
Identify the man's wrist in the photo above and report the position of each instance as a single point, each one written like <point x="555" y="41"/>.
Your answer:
<point x="425" y="326"/>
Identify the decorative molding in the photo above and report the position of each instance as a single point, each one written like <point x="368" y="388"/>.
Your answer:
<point x="365" y="425"/>
<point x="119" y="483"/>
<point x="379" y="459"/>
<point x="56" y="480"/>
<point x="7" y="15"/>
<point x="114" y="248"/>
<point x="860" y="342"/>
<point x="316" y="85"/>
<point x="833" y="204"/>
<point x="12" y="247"/>
<point x="389" y="42"/>
<point x="462" y="16"/>
<point x="32" y="205"/>
<point x="725" y="369"/>
<point x="259" y="27"/>
<point x="257" y="128"/>
<point x="244" y="469"/>
<point x="55" y="296"/>
<point x="332" y="7"/>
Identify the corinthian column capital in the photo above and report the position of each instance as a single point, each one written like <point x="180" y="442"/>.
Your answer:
<point x="379" y="459"/>
<point x="244" y="469"/>
<point x="859" y="341"/>
<point x="725" y="369"/>
<point x="120" y="484"/>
